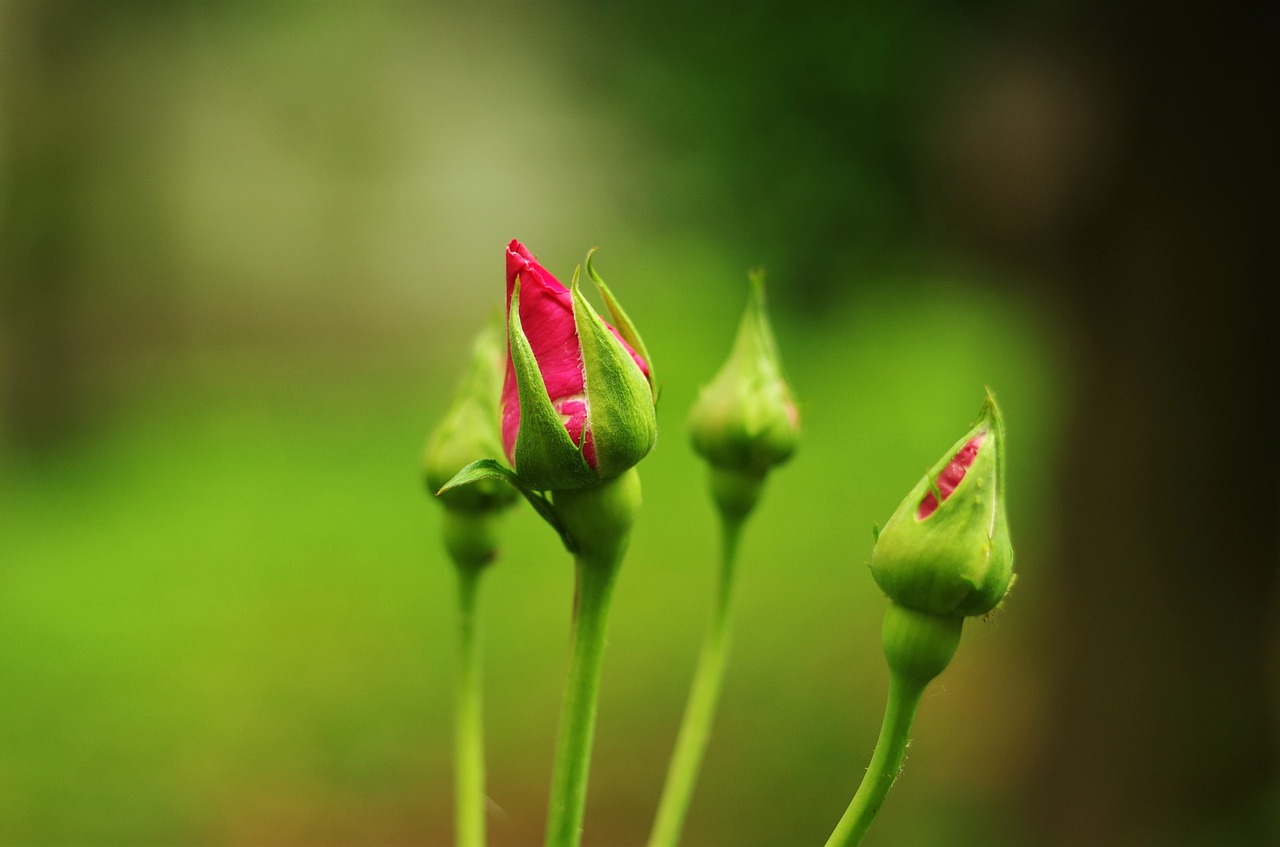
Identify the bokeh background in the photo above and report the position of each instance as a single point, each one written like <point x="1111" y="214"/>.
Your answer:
<point x="243" y="247"/>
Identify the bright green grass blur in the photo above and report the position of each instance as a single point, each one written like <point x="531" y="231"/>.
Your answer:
<point x="226" y="617"/>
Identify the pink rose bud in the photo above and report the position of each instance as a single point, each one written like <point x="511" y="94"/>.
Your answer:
<point x="946" y="549"/>
<point x="577" y="401"/>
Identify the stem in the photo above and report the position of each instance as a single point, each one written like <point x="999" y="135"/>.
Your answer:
<point x="886" y="762"/>
<point x="695" y="727"/>
<point x="595" y="576"/>
<point x="469" y="718"/>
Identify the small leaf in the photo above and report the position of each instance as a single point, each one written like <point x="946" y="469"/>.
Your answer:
<point x="476" y="471"/>
<point x="493" y="469"/>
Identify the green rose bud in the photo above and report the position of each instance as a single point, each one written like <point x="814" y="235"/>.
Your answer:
<point x="746" y="418"/>
<point x="745" y="421"/>
<point x="946" y="549"/>
<point x="469" y="431"/>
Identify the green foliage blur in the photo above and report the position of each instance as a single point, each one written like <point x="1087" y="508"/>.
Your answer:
<point x="245" y="248"/>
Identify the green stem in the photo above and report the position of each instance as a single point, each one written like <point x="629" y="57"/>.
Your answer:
<point x="469" y="718"/>
<point x="596" y="577"/>
<point x="699" y="713"/>
<point x="886" y="762"/>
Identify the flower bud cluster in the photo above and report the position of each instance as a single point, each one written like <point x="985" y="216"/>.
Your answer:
<point x="577" y="411"/>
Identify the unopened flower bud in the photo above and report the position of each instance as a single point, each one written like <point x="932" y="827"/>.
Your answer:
<point x="469" y="431"/>
<point x="946" y="549"/>
<point x="745" y="420"/>
<point x="577" y="403"/>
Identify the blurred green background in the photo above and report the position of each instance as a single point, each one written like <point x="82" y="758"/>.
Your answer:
<point x="243" y="247"/>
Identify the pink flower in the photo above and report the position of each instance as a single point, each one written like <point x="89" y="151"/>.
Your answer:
<point x="547" y="318"/>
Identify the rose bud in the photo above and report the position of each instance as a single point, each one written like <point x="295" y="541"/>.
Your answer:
<point x="745" y="421"/>
<point x="946" y="549"/>
<point x="577" y="402"/>
<point x="467" y="433"/>
<point x="746" y="418"/>
<point x="469" y="430"/>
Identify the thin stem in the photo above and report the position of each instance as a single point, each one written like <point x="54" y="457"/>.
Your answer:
<point x="578" y="715"/>
<point x="469" y="718"/>
<point x="699" y="713"/>
<point x="886" y="762"/>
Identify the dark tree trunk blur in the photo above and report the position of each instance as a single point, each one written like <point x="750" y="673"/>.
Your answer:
<point x="1162" y="645"/>
<point x="85" y="264"/>
<point x="46" y="139"/>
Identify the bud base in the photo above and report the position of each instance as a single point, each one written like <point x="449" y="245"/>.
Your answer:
<point x="599" y="517"/>
<point x="471" y="537"/>
<point x="735" y="491"/>
<point x="919" y="645"/>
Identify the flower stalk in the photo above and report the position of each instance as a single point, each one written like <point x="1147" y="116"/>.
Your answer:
<point x="599" y="519"/>
<point x="469" y="526"/>
<point x="918" y="646"/>
<point x="469" y="776"/>
<point x="704" y="696"/>
<point x="744" y="423"/>
<point x="595" y="581"/>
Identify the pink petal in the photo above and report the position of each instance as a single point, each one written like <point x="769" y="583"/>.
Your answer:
<point x="546" y="316"/>
<point x="951" y="476"/>
<point x="573" y="411"/>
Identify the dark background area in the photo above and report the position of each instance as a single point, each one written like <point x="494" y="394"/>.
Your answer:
<point x="243" y="246"/>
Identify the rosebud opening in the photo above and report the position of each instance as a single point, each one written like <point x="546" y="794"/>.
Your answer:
<point x="951" y="476"/>
<point x="577" y="404"/>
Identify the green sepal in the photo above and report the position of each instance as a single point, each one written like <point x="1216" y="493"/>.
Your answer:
<point x="958" y="560"/>
<point x="621" y="322"/>
<point x="545" y="455"/>
<point x="620" y="412"/>
<point x="489" y="469"/>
